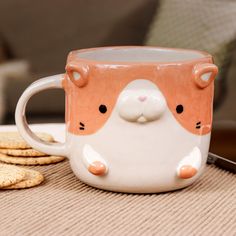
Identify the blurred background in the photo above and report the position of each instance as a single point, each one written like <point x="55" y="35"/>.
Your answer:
<point x="36" y="36"/>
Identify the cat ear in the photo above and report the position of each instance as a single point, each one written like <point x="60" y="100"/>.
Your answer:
<point x="204" y="74"/>
<point x="78" y="74"/>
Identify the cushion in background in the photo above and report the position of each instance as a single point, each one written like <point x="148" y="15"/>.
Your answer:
<point x="43" y="32"/>
<point x="199" y="24"/>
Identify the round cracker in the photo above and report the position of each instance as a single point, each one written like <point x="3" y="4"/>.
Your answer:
<point x="22" y="152"/>
<point x="30" y="160"/>
<point x="32" y="178"/>
<point x="10" y="175"/>
<point x="13" y="140"/>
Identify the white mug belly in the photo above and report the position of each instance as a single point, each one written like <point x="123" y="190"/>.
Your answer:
<point x="138" y="161"/>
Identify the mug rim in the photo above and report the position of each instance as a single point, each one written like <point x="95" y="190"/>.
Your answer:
<point x="75" y="55"/>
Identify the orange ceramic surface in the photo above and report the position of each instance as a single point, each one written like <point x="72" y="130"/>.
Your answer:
<point x="97" y="168"/>
<point x="189" y="99"/>
<point x="187" y="172"/>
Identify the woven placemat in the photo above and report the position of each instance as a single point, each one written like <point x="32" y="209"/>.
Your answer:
<point x="65" y="206"/>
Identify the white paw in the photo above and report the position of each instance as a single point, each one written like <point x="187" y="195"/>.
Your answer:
<point x="93" y="161"/>
<point x="190" y="164"/>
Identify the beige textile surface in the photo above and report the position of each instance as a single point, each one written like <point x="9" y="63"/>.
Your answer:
<point x="65" y="206"/>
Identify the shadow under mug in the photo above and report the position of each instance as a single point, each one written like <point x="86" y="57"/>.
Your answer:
<point x="138" y="119"/>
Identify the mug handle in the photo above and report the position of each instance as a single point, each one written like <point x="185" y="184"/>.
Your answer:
<point x="50" y="82"/>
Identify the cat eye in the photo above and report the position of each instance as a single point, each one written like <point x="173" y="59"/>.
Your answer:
<point x="179" y="109"/>
<point x="102" y="108"/>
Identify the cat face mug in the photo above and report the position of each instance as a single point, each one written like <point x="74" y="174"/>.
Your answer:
<point x="138" y="119"/>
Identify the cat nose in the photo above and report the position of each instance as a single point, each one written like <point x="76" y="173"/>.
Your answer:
<point x="141" y="106"/>
<point x="142" y="98"/>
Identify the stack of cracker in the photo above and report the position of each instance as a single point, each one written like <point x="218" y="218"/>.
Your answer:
<point x="14" y="177"/>
<point x="14" y="150"/>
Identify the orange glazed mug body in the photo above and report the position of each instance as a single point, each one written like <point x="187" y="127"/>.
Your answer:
<point x="138" y="118"/>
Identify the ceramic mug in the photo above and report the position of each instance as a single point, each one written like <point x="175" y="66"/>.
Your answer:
<point x="138" y="119"/>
